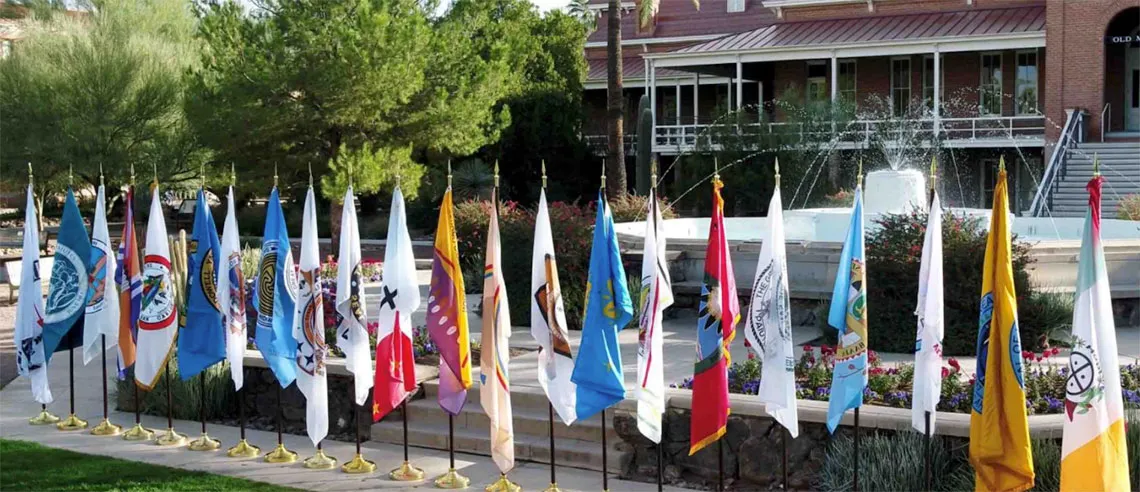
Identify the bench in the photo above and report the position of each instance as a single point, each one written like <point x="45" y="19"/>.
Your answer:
<point x="15" y="271"/>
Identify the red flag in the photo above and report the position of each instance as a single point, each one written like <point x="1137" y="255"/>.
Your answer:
<point x="716" y="323"/>
<point x="395" y="372"/>
<point x="395" y="363"/>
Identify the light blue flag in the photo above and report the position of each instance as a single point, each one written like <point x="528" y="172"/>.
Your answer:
<point x="848" y="315"/>
<point x="597" y="369"/>
<point x="276" y="288"/>
<point x="68" y="291"/>
<point x="202" y="343"/>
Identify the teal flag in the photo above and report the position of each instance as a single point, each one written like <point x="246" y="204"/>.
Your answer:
<point x="848" y="315"/>
<point x="68" y="291"/>
<point x="597" y="369"/>
<point x="202" y="343"/>
<point x="276" y="288"/>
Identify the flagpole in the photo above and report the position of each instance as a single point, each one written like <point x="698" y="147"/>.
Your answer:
<point x="171" y="437"/>
<point x="280" y="454"/>
<point x="653" y="206"/>
<point x="358" y="464"/>
<point x="138" y="432"/>
<point x="72" y="422"/>
<point x="44" y="417"/>
<point x="605" y="460"/>
<point x="855" y="487"/>
<point x="553" y="487"/>
<point x="105" y="428"/>
<point x="452" y="479"/>
<point x="926" y="464"/>
<point x="243" y="449"/>
<point x="204" y="443"/>
<point x="784" y="452"/>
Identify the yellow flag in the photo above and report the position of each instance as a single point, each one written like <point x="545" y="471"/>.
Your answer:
<point x="999" y="426"/>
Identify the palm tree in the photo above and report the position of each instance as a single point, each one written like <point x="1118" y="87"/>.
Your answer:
<point x="615" y="102"/>
<point x="580" y="9"/>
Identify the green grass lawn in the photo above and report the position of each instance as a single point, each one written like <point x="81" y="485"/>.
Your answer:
<point x="30" y="466"/>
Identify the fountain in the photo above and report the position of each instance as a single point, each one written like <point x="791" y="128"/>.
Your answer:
<point x="894" y="191"/>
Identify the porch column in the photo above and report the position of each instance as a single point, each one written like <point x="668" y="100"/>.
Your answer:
<point x="652" y="80"/>
<point x="937" y="91"/>
<point x="739" y="83"/>
<point x="760" y="101"/>
<point x="677" y="87"/>
<point x="696" y="99"/>
<point x="834" y="78"/>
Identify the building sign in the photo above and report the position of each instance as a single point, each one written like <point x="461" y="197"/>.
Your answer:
<point x="1133" y="39"/>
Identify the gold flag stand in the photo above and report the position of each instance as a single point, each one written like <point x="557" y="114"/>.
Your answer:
<point x="71" y="423"/>
<point x="503" y="485"/>
<point x="320" y="461"/>
<point x="171" y="437"/>
<point x="280" y="454"/>
<point x="138" y="432"/>
<point x="358" y="464"/>
<point x="44" y="418"/>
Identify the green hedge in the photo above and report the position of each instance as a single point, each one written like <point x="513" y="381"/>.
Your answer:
<point x="894" y="252"/>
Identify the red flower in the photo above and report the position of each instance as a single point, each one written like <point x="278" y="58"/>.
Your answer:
<point x="747" y="344"/>
<point x="807" y="347"/>
<point x="1039" y="358"/>
<point x="1056" y="350"/>
<point x="954" y="363"/>
<point x="875" y="371"/>
<point x="945" y="372"/>
<point x="826" y="349"/>
<point x="751" y="355"/>
<point x="1025" y="354"/>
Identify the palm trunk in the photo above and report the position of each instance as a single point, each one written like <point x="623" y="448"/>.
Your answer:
<point x="335" y="210"/>
<point x="615" y="102"/>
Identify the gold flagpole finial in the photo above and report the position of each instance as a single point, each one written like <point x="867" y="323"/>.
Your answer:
<point x="544" y="174"/>
<point x="496" y="173"/>
<point x="1001" y="164"/>
<point x="449" y="174"/>
<point x="350" y="173"/>
<point x="30" y="175"/>
<point x="154" y="168"/>
<point x="603" y="186"/>
<point x="859" y="176"/>
<point x="100" y="173"/>
<point x="132" y="174"/>
<point x="202" y="171"/>
<point x="274" y="174"/>
<point x="716" y="168"/>
<point x="777" y="172"/>
<point x="933" y="170"/>
<point x="70" y="178"/>
<point x="310" y="175"/>
<point x="653" y="173"/>
<point x="1096" y="165"/>
<point x="233" y="175"/>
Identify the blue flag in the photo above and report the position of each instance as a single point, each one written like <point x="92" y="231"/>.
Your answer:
<point x="202" y="343"/>
<point x="68" y="291"/>
<point x="848" y="315"/>
<point x="276" y="288"/>
<point x="597" y="369"/>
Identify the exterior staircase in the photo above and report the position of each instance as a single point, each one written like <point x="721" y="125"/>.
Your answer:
<point x="1120" y="166"/>
<point x="577" y="446"/>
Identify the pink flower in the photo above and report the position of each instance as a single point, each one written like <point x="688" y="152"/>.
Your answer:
<point x="751" y="355"/>
<point x="945" y="372"/>
<point x="807" y="347"/>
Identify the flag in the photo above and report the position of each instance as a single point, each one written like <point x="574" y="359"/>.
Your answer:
<point x="447" y="313"/>
<point x="848" y="315"/>
<point x="999" y="427"/>
<point x="129" y="278"/>
<point x="548" y="320"/>
<point x="309" y="329"/>
<point x="276" y="291"/>
<point x="716" y="327"/>
<point x="102" y="312"/>
<point x="68" y="290"/>
<point x="1093" y="453"/>
<point x="928" y="342"/>
<point x="769" y="326"/>
<point x="231" y="295"/>
<point x="656" y="295"/>
<point x="352" y="335"/>
<point x="495" y="378"/>
<point x="598" y="370"/>
<point x="202" y="342"/>
<point x="395" y="377"/>
<point x="158" y="315"/>
<point x="30" y="358"/>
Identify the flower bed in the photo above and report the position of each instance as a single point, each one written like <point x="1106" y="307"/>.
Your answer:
<point x="892" y="385"/>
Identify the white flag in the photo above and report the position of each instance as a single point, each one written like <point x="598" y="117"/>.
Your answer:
<point x="928" y="342"/>
<point x="158" y="318"/>
<point x="495" y="380"/>
<point x="231" y="295"/>
<point x="548" y="320"/>
<point x="309" y="328"/>
<point x="399" y="298"/>
<point x="769" y="329"/>
<point x="102" y="313"/>
<point x="30" y="360"/>
<point x="352" y="334"/>
<point x="656" y="295"/>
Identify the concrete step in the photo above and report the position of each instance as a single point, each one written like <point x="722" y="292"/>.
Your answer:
<point x="528" y="420"/>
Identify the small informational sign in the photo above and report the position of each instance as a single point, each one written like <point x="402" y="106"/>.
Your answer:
<point x="1132" y="40"/>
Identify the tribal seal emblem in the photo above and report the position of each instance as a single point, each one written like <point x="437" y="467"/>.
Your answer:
<point x="1084" y="386"/>
<point x="237" y="294"/>
<point x="312" y="351"/>
<point x="266" y="280"/>
<point x="157" y="311"/>
<point x="67" y="294"/>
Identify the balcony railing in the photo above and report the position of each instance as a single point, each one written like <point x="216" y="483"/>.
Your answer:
<point x="953" y="132"/>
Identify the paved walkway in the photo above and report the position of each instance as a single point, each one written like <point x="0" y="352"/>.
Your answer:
<point x="16" y="407"/>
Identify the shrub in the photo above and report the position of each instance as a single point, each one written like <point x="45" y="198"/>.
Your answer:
<point x="840" y="199"/>
<point x="895" y="462"/>
<point x="572" y="227"/>
<point x="631" y="208"/>
<point x="1129" y="207"/>
<point x="221" y="399"/>
<point x="894" y="252"/>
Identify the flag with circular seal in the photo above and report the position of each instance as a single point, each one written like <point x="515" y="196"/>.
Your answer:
<point x="68" y="290"/>
<point x="102" y="311"/>
<point x="202" y="342"/>
<point x="28" y="333"/>
<point x="231" y="295"/>
<point x="158" y="315"/>
<point x="276" y="296"/>
<point x="309" y="328"/>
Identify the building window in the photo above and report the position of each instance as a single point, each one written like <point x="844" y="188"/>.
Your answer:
<point x="900" y="86"/>
<point x="816" y="81"/>
<point x="989" y="91"/>
<point x="928" y="82"/>
<point x="736" y="5"/>
<point x="847" y="81"/>
<point x="1026" y="82"/>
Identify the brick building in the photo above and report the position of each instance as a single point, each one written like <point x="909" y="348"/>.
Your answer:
<point x="981" y="78"/>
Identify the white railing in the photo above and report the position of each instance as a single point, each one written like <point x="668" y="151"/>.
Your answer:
<point x="980" y="129"/>
<point x="1072" y="133"/>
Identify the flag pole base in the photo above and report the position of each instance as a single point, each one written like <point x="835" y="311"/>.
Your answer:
<point x="320" y="461"/>
<point x="243" y="449"/>
<point x="553" y="487"/>
<point x="280" y="455"/>
<point x="138" y="433"/>
<point x="170" y="438"/>
<point x="406" y="473"/>
<point x="358" y="465"/>
<point x="204" y="443"/>
<point x="71" y="423"/>
<point x="452" y="480"/>
<point x="106" y="428"/>
<point x="503" y="485"/>
<point x="44" y="418"/>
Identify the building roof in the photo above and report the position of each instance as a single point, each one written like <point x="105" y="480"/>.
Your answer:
<point x="631" y="68"/>
<point x="937" y="25"/>
<point x="679" y="19"/>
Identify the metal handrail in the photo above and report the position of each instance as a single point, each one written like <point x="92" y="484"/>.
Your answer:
<point x="1057" y="162"/>
<point x="1104" y="123"/>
